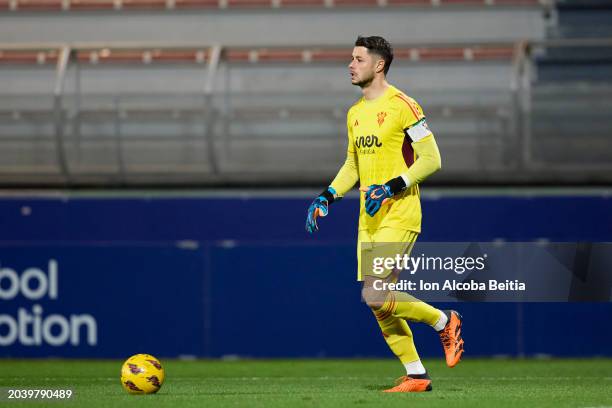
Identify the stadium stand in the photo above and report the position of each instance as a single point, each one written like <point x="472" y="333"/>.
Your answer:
<point x="98" y="5"/>
<point x="100" y="105"/>
<point x="255" y="125"/>
<point x="572" y="72"/>
<point x="582" y="19"/>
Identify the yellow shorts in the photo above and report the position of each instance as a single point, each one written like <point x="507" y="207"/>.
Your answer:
<point x="382" y="243"/>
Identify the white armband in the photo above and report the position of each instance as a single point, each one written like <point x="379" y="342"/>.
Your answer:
<point x="417" y="131"/>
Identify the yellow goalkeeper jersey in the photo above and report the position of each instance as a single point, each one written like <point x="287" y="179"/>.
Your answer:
<point x="380" y="136"/>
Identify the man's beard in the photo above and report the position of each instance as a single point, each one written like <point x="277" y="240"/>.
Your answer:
<point x="364" y="82"/>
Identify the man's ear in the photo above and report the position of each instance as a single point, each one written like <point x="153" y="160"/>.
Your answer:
<point x="380" y="65"/>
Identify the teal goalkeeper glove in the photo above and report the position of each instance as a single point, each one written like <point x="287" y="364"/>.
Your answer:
<point x="378" y="194"/>
<point x="319" y="208"/>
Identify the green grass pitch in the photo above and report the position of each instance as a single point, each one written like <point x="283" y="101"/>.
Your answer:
<point x="322" y="383"/>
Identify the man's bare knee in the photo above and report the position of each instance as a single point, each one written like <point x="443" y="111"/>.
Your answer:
<point x="375" y="299"/>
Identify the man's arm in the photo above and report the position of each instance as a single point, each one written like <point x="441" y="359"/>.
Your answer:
<point x="428" y="162"/>
<point x="345" y="180"/>
<point x="347" y="176"/>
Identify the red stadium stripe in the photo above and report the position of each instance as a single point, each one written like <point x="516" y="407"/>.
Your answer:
<point x="122" y="56"/>
<point x="28" y="57"/>
<point x="92" y="4"/>
<point x="302" y="3"/>
<point x="441" y="53"/>
<point x="111" y="56"/>
<point x="491" y="53"/>
<point x="82" y="56"/>
<point x="18" y="58"/>
<point x="194" y="4"/>
<point x="249" y="3"/>
<point x="57" y="5"/>
<point x="143" y="4"/>
<point x="486" y="4"/>
<point x="178" y="56"/>
<point x="409" y="2"/>
<point x="356" y="3"/>
<point x="401" y="53"/>
<point x="463" y="2"/>
<point x="279" y="55"/>
<point x="262" y="55"/>
<point x="518" y="3"/>
<point x="42" y="5"/>
<point x="331" y="55"/>
<point x="237" y="55"/>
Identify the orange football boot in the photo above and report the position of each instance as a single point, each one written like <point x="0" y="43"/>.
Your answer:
<point x="412" y="383"/>
<point x="451" y="338"/>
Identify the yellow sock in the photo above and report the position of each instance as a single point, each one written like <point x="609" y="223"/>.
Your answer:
<point x="397" y="334"/>
<point x="410" y="308"/>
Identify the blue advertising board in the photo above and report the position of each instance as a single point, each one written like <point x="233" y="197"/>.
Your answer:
<point x="219" y="276"/>
<point x="84" y="300"/>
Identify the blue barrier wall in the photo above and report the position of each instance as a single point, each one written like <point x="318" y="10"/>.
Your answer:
<point x="214" y="276"/>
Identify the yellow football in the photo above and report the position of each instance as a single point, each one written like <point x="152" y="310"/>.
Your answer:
<point x="142" y="374"/>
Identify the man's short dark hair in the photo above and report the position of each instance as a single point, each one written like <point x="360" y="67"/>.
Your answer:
<point x="379" y="46"/>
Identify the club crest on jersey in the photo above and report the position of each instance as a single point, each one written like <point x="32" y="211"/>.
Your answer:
<point x="380" y="117"/>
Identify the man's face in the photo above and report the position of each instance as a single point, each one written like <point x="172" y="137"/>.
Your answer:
<point x="363" y="66"/>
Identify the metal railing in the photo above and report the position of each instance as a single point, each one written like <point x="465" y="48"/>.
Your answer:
<point x="217" y="135"/>
<point x="170" y="5"/>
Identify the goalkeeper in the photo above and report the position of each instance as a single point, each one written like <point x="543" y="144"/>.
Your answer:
<point x="390" y="151"/>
